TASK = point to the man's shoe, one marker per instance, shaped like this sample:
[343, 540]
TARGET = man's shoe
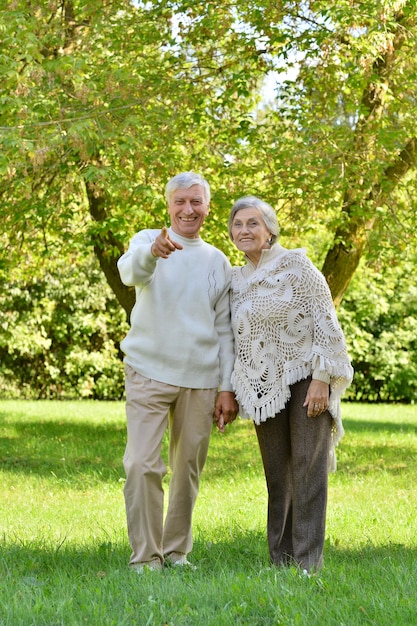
[179, 560]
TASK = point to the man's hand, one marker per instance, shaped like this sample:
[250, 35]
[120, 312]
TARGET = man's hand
[163, 245]
[225, 410]
[317, 398]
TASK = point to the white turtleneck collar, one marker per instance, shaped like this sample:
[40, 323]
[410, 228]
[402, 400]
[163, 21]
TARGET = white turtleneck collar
[267, 255]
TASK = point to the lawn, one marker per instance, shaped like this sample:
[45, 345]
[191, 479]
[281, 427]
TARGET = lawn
[64, 548]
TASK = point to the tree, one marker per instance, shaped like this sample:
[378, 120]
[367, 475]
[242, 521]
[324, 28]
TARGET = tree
[101, 106]
[341, 135]
[103, 102]
[383, 158]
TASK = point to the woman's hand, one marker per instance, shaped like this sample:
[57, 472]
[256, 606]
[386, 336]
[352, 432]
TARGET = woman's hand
[317, 398]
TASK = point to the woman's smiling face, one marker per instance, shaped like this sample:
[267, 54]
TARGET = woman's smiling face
[250, 234]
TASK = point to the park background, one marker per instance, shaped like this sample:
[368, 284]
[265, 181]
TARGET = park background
[310, 106]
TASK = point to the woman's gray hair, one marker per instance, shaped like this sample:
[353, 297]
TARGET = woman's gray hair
[184, 181]
[267, 212]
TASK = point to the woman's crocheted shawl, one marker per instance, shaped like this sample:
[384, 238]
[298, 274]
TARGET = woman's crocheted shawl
[285, 327]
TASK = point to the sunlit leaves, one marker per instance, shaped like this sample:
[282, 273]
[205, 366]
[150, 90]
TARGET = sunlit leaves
[120, 96]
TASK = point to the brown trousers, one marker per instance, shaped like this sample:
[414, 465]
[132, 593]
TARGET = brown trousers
[151, 407]
[294, 451]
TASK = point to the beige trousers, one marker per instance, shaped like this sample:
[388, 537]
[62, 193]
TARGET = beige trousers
[151, 407]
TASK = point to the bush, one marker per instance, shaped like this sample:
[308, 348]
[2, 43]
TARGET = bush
[60, 336]
[379, 317]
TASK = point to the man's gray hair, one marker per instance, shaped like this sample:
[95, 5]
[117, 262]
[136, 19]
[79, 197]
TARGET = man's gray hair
[184, 181]
[267, 212]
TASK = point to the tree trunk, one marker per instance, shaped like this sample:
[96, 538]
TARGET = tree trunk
[343, 258]
[108, 249]
[359, 203]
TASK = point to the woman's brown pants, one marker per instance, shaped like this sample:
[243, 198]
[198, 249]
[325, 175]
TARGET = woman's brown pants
[294, 451]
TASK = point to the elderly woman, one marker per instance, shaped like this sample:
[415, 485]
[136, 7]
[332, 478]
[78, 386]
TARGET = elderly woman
[291, 368]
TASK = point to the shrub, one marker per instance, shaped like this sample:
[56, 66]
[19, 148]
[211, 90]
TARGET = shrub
[60, 335]
[379, 317]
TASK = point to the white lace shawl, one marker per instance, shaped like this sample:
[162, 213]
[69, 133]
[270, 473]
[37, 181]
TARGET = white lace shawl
[285, 328]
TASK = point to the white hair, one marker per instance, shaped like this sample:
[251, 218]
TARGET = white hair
[184, 181]
[267, 212]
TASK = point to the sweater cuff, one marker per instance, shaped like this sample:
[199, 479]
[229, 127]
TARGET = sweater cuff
[154, 256]
[225, 386]
[321, 375]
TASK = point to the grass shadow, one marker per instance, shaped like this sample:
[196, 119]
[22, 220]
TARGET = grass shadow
[72, 450]
[63, 449]
[69, 450]
[392, 428]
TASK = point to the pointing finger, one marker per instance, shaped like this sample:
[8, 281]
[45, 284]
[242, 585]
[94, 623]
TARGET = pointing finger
[173, 244]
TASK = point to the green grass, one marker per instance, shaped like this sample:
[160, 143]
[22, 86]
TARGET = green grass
[64, 549]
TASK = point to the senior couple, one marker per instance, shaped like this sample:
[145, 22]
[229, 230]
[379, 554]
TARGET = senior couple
[208, 342]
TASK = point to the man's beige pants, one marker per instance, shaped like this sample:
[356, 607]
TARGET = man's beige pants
[151, 407]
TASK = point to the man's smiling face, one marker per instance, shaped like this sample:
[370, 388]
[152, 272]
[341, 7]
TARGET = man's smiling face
[188, 209]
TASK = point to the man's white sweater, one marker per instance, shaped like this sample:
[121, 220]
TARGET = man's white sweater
[180, 325]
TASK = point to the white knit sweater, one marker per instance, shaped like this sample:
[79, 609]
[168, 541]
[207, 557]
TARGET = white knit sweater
[180, 325]
[285, 329]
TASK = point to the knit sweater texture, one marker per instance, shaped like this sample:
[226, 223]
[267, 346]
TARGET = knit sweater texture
[180, 325]
[285, 329]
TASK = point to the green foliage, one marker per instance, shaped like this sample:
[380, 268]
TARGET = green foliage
[109, 100]
[379, 317]
[60, 335]
[121, 96]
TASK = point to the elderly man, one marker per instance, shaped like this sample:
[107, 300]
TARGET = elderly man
[178, 364]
